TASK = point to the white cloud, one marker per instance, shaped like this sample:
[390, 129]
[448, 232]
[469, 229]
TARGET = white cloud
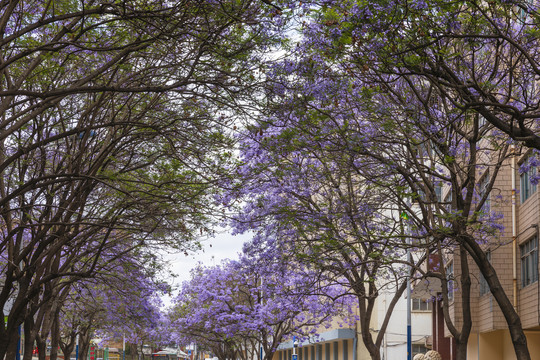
[222, 246]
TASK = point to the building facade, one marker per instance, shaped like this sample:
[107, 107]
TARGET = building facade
[514, 254]
[346, 343]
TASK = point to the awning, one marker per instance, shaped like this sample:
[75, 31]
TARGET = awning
[426, 288]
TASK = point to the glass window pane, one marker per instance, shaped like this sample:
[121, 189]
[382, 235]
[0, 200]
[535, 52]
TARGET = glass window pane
[529, 262]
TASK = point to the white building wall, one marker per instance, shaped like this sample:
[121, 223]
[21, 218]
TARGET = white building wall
[395, 344]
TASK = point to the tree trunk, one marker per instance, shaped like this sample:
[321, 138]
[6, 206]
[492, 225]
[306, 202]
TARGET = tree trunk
[3, 344]
[141, 350]
[9, 338]
[365, 308]
[84, 343]
[42, 348]
[461, 335]
[55, 337]
[30, 337]
[373, 350]
[67, 349]
[54, 352]
[11, 351]
[519, 340]
[461, 350]
[465, 280]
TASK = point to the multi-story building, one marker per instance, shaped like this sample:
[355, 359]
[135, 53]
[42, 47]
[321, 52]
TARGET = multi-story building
[339, 343]
[514, 254]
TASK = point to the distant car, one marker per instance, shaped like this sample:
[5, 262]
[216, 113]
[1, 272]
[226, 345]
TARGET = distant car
[168, 354]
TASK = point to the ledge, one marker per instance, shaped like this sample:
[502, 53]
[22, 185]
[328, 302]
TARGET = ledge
[332, 335]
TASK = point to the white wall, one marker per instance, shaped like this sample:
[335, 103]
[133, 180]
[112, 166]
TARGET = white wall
[395, 344]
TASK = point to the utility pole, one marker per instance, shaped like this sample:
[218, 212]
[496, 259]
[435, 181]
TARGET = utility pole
[403, 216]
[18, 355]
[409, 301]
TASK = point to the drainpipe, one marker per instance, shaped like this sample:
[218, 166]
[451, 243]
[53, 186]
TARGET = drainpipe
[385, 340]
[355, 344]
[514, 228]
[409, 333]
[478, 345]
[538, 286]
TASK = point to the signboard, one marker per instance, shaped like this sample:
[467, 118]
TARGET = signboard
[92, 353]
[295, 357]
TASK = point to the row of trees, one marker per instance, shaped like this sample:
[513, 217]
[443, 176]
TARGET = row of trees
[115, 119]
[380, 109]
[124, 304]
[244, 309]
[115, 138]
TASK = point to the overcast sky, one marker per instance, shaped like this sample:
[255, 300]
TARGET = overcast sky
[223, 246]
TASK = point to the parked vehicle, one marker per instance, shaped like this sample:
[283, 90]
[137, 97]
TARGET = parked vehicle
[165, 355]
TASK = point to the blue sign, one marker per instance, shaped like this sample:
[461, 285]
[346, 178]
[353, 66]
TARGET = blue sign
[189, 352]
[295, 357]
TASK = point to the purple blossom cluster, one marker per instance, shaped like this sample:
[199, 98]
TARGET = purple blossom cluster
[262, 296]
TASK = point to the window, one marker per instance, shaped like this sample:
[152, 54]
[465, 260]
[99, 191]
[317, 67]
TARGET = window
[421, 305]
[327, 351]
[529, 262]
[450, 281]
[448, 201]
[419, 195]
[525, 11]
[481, 121]
[438, 191]
[419, 349]
[425, 150]
[483, 186]
[527, 188]
[484, 287]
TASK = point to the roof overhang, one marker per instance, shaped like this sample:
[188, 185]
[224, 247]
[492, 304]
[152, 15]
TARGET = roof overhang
[426, 288]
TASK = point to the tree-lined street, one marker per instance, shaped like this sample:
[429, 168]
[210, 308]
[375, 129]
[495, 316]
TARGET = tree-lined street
[354, 140]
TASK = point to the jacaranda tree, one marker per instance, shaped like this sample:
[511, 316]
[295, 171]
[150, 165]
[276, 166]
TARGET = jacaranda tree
[447, 66]
[114, 127]
[359, 87]
[121, 303]
[313, 189]
[255, 303]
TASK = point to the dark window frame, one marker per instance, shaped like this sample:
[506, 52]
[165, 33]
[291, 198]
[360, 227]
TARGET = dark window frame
[421, 305]
[450, 280]
[484, 287]
[526, 187]
[529, 261]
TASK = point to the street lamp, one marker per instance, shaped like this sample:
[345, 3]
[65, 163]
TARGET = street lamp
[295, 345]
